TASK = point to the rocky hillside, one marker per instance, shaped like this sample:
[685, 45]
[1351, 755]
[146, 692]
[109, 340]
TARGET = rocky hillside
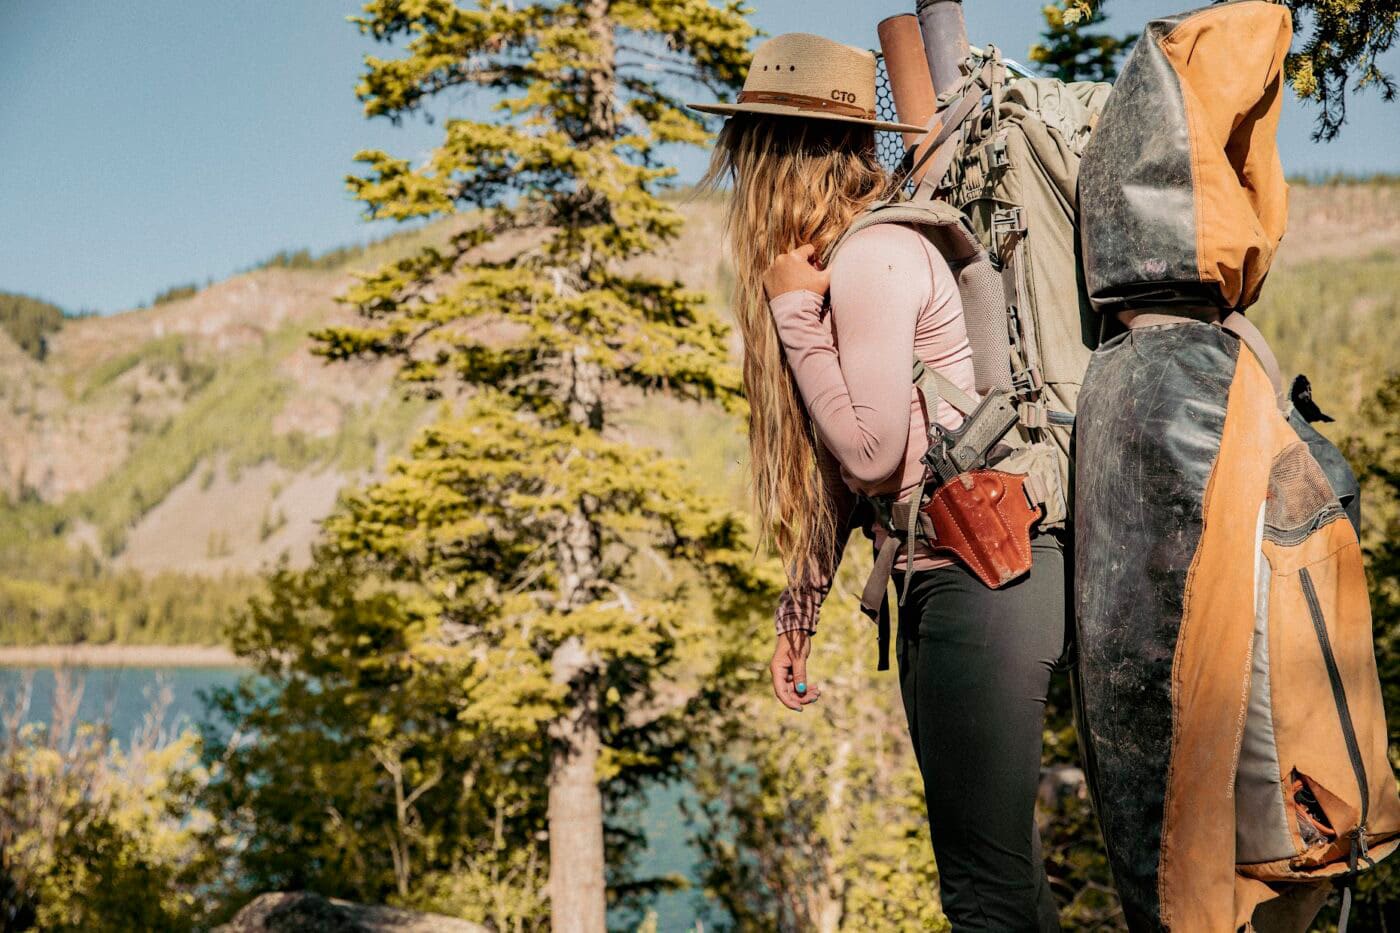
[198, 437]
[201, 438]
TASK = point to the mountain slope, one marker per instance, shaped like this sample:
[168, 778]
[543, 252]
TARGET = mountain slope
[200, 440]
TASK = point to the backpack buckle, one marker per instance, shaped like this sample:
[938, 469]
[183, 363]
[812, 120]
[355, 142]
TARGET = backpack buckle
[1033, 414]
[883, 507]
[1008, 221]
[1008, 229]
[999, 157]
[1027, 381]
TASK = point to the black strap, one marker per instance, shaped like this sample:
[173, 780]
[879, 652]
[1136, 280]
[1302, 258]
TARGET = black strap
[1357, 851]
[882, 635]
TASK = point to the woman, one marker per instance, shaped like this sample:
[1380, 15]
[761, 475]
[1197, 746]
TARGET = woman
[834, 415]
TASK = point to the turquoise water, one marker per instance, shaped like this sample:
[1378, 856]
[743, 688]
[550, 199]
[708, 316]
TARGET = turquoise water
[124, 696]
[121, 695]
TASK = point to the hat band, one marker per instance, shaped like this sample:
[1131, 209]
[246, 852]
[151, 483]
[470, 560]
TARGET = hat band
[805, 102]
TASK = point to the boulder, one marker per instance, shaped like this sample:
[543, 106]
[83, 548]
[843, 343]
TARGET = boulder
[305, 912]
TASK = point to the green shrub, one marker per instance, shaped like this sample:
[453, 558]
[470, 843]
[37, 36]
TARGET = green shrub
[93, 837]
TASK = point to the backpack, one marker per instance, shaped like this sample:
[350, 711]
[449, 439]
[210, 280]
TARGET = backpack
[1231, 714]
[1230, 703]
[1014, 171]
[1005, 163]
[1009, 149]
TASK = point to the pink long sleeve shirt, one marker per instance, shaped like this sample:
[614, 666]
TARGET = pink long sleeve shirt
[892, 296]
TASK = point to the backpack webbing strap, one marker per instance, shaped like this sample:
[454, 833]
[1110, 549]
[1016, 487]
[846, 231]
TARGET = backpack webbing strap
[875, 598]
[935, 386]
[901, 517]
[1233, 323]
[896, 516]
[942, 160]
[949, 121]
[1026, 378]
[1243, 328]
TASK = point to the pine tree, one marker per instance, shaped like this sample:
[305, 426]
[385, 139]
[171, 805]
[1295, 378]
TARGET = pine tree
[1071, 53]
[525, 518]
[1344, 44]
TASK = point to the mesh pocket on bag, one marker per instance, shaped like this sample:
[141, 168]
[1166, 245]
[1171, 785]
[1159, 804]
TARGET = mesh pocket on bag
[1300, 498]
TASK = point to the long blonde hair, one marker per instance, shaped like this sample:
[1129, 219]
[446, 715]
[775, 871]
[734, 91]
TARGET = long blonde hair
[795, 181]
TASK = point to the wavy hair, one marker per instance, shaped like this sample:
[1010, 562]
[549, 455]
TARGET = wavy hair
[794, 181]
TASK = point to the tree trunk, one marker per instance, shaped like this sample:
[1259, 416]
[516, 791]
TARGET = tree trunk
[577, 893]
[831, 901]
[577, 878]
[577, 889]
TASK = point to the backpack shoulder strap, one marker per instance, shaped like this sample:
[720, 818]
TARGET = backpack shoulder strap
[934, 386]
[978, 283]
[1243, 328]
[945, 226]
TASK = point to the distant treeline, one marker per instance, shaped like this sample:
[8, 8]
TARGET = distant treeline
[177, 293]
[305, 259]
[1323, 179]
[282, 259]
[29, 322]
[338, 257]
[302, 259]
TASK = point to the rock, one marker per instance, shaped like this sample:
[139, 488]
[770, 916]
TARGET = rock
[305, 912]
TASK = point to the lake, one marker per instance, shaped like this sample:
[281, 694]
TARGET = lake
[125, 694]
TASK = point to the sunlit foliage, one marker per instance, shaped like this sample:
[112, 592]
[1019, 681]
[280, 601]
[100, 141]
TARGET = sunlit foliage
[1340, 53]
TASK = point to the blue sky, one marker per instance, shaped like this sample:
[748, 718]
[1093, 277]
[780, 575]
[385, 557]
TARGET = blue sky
[150, 143]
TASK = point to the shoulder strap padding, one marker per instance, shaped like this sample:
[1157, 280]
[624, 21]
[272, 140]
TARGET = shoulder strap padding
[945, 226]
[979, 284]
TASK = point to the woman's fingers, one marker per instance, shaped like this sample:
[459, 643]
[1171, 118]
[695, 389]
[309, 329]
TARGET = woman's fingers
[789, 671]
[783, 684]
[799, 679]
[796, 271]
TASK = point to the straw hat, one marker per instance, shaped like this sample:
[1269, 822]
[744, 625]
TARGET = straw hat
[801, 75]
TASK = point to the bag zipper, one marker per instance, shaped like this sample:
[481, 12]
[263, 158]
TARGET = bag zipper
[1339, 696]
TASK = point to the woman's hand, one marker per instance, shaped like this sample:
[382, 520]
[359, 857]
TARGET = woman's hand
[789, 670]
[796, 271]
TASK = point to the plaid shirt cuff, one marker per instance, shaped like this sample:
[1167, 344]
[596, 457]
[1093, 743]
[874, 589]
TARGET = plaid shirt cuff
[797, 611]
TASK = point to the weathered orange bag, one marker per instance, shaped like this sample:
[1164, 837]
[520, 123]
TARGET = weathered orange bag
[1182, 196]
[1232, 721]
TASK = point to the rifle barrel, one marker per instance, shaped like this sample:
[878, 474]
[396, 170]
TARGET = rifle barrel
[945, 40]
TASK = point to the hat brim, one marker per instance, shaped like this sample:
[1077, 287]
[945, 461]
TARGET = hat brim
[782, 110]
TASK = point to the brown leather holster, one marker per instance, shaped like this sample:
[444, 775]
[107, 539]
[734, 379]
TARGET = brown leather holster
[981, 518]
